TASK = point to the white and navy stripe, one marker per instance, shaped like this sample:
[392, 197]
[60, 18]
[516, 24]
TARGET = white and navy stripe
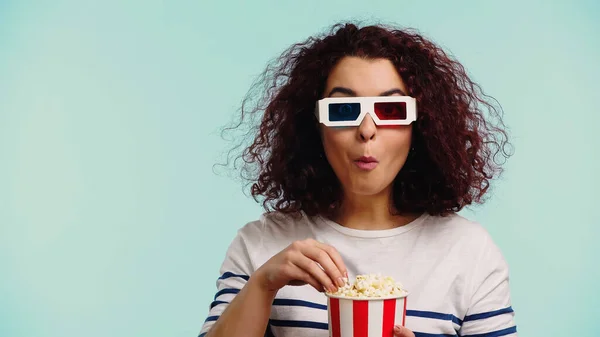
[496, 318]
[419, 320]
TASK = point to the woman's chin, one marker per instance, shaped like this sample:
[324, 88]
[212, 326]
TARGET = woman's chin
[368, 188]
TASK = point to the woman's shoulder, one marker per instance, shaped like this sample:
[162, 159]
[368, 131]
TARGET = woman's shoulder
[261, 238]
[458, 229]
[456, 223]
[279, 225]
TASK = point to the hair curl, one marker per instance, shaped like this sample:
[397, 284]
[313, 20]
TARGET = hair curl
[454, 146]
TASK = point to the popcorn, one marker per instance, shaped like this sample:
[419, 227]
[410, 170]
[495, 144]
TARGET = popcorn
[370, 286]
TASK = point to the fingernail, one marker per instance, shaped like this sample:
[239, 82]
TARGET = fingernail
[340, 282]
[397, 328]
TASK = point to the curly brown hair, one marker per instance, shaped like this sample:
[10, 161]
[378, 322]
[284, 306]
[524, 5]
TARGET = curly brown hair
[454, 146]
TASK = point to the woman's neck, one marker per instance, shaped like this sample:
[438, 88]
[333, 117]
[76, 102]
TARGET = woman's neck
[370, 212]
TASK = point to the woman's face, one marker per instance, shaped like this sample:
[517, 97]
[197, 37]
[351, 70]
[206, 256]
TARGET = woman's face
[346, 148]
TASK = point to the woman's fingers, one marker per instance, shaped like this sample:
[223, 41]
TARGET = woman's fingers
[400, 331]
[298, 274]
[318, 263]
[326, 261]
[335, 256]
[311, 267]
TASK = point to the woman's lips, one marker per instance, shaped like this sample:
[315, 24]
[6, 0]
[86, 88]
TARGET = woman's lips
[366, 163]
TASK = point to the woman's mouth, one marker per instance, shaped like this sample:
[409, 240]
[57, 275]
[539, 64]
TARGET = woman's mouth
[366, 163]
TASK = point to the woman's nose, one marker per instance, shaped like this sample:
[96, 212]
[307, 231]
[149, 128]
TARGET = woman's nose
[367, 129]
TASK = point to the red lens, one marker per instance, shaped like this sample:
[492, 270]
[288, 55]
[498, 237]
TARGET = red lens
[391, 110]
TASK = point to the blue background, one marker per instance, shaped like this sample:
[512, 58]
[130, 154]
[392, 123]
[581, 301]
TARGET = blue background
[112, 222]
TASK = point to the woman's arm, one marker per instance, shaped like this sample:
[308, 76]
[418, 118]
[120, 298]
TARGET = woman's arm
[247, 314]
[490, 310]
[243, 302]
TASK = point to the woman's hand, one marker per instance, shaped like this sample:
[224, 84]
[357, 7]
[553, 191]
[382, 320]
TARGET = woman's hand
[400, 331]
[303, 262]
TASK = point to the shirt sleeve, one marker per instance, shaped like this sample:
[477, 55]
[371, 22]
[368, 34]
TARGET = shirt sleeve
[234, 272]
[490, 313]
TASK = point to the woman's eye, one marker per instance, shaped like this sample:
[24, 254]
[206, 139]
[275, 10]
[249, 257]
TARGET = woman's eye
[345, 109]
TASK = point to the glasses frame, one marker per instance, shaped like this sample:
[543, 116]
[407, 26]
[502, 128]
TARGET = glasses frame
[367, 106]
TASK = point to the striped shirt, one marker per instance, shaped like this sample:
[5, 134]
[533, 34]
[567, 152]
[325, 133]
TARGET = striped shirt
[457, 277]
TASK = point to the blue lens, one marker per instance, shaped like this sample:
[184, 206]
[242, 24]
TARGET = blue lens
[339, 112]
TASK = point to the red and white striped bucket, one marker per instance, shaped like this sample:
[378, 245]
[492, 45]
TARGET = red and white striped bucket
[351, 317]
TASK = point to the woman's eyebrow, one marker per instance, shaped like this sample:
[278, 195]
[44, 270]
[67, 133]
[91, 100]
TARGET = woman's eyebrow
[342, 90]
[350, 92]
[393, 91]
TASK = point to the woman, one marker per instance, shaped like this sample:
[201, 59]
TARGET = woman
[371, 140]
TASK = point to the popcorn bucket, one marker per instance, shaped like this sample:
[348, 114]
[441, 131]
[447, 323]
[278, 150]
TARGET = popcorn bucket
[365, 317]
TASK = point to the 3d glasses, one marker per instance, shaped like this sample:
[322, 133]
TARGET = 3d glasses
[350, 111]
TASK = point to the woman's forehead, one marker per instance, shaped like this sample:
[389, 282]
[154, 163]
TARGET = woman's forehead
[365, 77]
